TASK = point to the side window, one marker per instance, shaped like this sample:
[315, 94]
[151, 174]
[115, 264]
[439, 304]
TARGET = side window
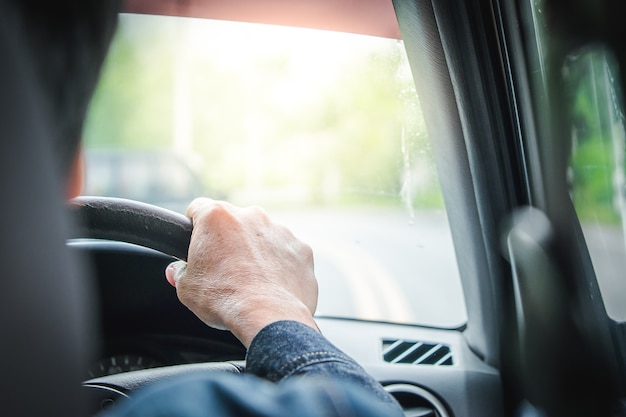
[597, 167]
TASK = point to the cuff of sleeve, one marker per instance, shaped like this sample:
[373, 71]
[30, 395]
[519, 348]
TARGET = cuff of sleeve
[283, 348]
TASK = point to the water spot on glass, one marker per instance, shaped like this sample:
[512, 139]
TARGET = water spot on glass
[406, 192]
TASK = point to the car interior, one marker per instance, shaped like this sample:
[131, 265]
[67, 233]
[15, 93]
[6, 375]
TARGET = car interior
[522, 107]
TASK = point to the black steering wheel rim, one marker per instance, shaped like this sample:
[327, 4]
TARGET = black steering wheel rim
[131, 221]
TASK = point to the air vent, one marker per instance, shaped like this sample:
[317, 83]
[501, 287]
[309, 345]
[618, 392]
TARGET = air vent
[417, 353]
[416, 401]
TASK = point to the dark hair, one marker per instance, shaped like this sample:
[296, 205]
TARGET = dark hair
[68, 41]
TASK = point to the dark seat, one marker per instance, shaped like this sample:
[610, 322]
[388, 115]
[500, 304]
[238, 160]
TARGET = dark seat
[45, 319]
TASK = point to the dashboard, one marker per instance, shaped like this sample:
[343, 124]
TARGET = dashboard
[146, 332]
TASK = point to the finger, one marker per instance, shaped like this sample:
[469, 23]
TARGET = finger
[196, 204]
[174, 272]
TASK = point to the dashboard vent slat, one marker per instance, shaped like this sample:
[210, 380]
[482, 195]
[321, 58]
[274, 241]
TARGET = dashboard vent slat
[416, 352]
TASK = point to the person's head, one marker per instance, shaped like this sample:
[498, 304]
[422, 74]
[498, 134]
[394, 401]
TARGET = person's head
[67, 41]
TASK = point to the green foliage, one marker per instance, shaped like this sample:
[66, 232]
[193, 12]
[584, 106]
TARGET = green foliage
[131, 109]
[593, 114]
[593, 191]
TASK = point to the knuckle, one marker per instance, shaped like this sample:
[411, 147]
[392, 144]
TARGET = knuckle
[307, 248]
[220, 208]
[258, 213]
[306, 251]
[257, 210]
[215, 212]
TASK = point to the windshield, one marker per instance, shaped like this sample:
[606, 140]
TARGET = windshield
[322, 129]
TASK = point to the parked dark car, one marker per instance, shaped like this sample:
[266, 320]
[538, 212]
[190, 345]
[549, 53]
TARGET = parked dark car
[158, 177]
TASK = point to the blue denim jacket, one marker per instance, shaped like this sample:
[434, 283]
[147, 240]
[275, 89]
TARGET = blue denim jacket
[291, 370]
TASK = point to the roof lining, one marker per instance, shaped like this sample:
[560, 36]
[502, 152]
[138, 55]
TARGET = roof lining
[367, 17]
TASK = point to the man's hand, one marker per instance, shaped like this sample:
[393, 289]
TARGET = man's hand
[243, 271]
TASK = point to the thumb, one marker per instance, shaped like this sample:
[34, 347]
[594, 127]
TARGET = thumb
[175, 271]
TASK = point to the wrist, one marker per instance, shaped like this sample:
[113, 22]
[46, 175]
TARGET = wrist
[258, 315]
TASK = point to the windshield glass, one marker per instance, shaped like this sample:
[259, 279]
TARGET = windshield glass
[322, 129]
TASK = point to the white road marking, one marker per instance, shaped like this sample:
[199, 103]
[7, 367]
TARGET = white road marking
[375, 292]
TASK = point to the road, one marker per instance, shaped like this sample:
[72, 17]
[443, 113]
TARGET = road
[608, 254]
[380, 264]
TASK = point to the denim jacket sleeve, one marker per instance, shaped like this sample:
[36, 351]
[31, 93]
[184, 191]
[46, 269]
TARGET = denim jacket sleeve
[286, 348]
[292, 370]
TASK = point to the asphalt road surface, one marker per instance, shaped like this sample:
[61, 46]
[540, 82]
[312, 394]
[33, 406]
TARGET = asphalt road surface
[608, 254]
[381, 264]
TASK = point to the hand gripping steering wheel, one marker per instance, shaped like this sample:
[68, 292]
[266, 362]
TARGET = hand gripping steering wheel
[152, 227]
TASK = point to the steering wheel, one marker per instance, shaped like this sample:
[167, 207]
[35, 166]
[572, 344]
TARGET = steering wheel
[132, 222]
[152, 227]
